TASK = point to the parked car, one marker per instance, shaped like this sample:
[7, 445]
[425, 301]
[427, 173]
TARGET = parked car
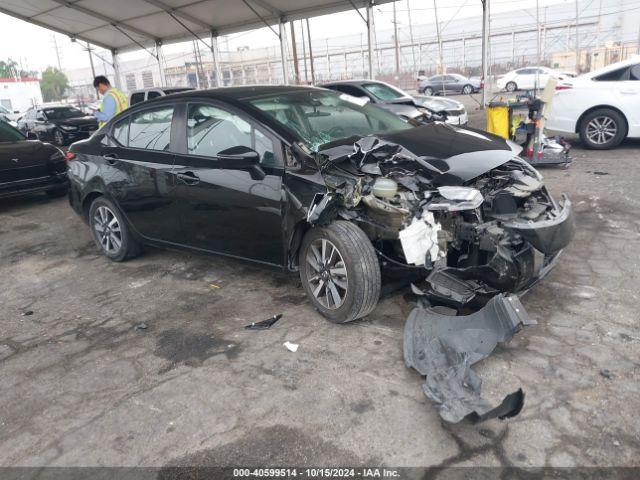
[525, 78]
[9, 116]
[60, 124]
[400, 102]
[145, 94]
[309, 181]
[603, 106]
[450, 83]
[28, 165]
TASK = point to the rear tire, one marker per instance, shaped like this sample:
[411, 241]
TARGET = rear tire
[58, 137]
[343, 285]
[110, 232]
[428, 91]
[511, 87]
[602, 129]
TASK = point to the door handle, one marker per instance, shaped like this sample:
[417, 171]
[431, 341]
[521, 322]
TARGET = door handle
[111, 158]
[189, 178]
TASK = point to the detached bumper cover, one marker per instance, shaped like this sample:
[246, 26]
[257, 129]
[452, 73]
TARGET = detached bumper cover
[443, 348]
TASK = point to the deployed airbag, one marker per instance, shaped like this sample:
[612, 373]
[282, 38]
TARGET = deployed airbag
[444, 347]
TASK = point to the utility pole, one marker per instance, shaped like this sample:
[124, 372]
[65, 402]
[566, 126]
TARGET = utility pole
[537, 78]
[440, 59]
[313, 76]
[294, 50]
[413, 52]
[395, 39]
[195, 60]
[55, 46]
[577, 39]
[485, 49]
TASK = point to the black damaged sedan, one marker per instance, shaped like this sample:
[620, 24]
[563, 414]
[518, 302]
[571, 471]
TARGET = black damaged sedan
[311, 181]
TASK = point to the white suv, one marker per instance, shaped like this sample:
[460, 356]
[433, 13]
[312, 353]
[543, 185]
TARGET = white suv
[602, 106]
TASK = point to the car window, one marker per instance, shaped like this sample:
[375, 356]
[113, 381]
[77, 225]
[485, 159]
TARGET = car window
[382, 91]
[3, 109]
[151, 129]
[121, 131]
[614, 76]
[153, 94]
[211, 130]
[437, 78]
[62, 113]
[634, 72]
[349, 90]
[9, 134]
[137, 98]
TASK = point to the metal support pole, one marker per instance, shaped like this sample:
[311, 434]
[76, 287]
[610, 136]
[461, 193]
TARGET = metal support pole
[464, 55]
[485, 50]
[116, 69]
[215, 54]
[578, 38]
[513, 49]
[395, 41]
[370, 40]
[283, 51]
[441, 68]
[313, 75]
[536, 84]
[160, 59]
[294, 51]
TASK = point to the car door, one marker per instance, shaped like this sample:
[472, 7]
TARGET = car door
[136, 167]
[229, 205]
[628, 93]
[453, 84]
[19, 161]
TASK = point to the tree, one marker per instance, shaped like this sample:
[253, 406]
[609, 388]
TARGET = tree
[8, 68]
[54, 83]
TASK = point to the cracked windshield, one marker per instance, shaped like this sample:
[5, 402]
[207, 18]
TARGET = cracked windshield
[322, 117]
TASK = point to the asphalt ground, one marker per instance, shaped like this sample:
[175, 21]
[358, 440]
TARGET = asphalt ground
[147, 363]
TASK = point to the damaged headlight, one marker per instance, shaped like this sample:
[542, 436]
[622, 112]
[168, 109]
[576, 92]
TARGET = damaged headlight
[454, 199]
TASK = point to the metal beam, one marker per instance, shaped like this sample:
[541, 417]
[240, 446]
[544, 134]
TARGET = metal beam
[215, 53]
[116, 69]
[104, 18]
[283, 52]
[160, 59]
[370, 39]
[179, 13]
[485, 50]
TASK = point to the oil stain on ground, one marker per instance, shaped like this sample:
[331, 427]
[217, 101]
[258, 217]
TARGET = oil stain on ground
[185, 348]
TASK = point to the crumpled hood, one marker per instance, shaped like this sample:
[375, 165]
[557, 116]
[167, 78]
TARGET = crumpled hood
[449, 155]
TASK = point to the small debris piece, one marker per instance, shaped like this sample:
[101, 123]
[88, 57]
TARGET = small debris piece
[292, 347]
[606, 373]
[141, 326]
[214, 286]
[264, 324]
[27, 313]
[601, 173]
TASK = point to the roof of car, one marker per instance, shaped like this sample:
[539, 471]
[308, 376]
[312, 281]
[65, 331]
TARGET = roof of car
[350, 82]
[244, 92]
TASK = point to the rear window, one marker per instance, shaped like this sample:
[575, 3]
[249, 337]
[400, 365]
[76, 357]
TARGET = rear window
[151, 130]
[614, 76]
[9, 134]
[137, 98]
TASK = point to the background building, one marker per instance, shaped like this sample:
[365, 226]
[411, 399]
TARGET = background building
[20, 94]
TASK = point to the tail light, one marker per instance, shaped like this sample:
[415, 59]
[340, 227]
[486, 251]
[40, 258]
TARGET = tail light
[563, 87]
[69, 156]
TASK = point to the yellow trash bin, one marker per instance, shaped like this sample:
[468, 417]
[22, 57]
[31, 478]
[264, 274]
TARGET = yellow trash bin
[498, 119]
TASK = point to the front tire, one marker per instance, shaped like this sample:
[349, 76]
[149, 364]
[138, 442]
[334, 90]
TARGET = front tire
[511, 87]
[340, 272]
[467, 90]
[602, 129]
[58, 137]
[428, 91]
[110, 232]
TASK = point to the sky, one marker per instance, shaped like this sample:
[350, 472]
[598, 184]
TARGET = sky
[35, 49]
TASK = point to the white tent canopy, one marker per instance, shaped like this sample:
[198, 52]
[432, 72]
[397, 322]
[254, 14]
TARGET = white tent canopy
[126, 25]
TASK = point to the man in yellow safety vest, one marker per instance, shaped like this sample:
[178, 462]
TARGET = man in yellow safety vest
[113, 100]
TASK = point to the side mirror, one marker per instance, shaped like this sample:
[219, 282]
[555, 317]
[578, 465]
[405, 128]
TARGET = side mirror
[241, 156]
[16, 111]
[32, 136]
